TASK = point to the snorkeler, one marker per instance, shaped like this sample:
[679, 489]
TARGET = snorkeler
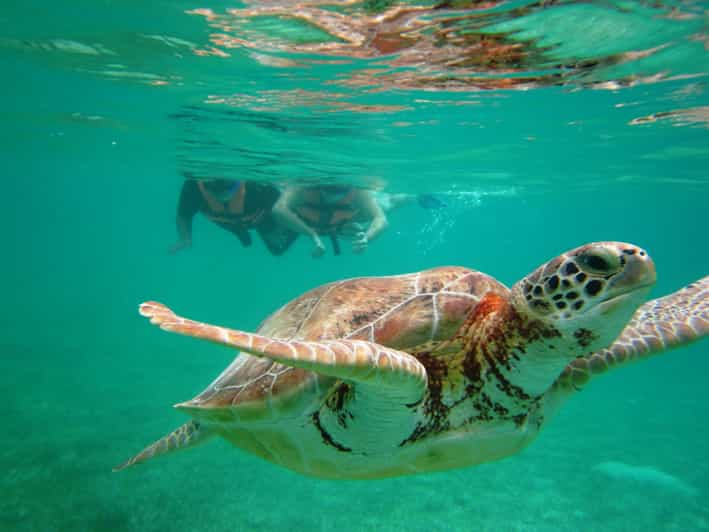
[331, 210]
[236, 206]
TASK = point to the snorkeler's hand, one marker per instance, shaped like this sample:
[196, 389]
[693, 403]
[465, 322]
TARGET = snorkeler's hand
[179, 246]
[359, 242]
[352, 229]
[319, 249]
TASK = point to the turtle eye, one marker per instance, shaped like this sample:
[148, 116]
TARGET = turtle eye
[599, 262]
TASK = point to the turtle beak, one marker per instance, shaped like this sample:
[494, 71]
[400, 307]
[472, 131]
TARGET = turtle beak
[636, 279]
[638, 274]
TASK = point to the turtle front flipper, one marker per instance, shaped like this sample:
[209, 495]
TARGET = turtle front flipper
[367, 363]
[657, 326]
[188, 435]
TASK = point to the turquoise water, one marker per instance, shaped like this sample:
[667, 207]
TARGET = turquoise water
[94, 137]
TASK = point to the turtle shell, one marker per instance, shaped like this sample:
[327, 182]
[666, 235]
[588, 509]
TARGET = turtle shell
[402, 312]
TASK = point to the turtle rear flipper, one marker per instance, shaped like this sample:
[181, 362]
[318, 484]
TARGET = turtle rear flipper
[395, 374]
[188, 435]
[657, 326]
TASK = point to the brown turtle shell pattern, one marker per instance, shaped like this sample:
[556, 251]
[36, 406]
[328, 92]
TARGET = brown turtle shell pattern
[402, 311]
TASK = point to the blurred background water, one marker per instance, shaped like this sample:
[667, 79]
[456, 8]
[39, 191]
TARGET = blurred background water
[541, 126]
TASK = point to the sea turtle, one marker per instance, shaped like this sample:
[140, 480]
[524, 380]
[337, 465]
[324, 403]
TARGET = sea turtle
[383, 376]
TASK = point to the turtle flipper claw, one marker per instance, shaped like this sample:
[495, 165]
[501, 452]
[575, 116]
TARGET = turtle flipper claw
[157, 312]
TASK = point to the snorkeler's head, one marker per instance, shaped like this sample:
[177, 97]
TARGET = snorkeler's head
[222, 188]
[332, 193]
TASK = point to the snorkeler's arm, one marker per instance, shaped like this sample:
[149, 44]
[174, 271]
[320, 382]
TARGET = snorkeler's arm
[285, 215]
[368, 205]
[371, 208]
[188, 205]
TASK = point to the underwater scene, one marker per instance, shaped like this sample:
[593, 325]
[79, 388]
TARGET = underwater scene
[226, 158]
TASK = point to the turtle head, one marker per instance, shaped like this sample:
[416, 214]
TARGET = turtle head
[586, 296]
